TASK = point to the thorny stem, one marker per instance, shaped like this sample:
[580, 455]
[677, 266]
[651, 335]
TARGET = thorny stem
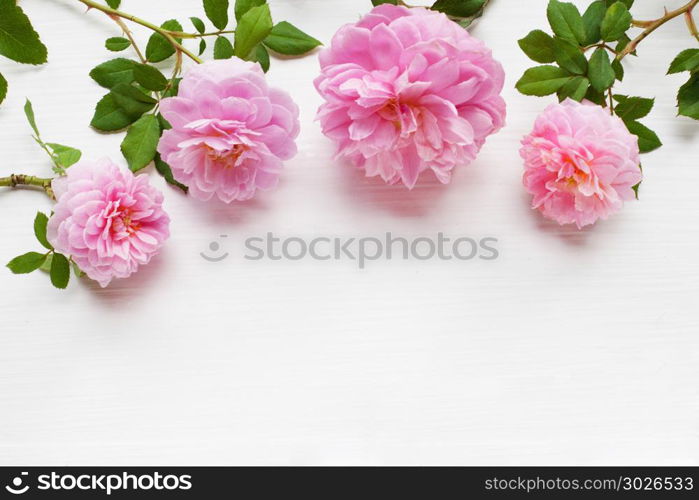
[16, 180]
[168, 35]
[171, 82]
[651, 26]
[691, 25]
[129, 35]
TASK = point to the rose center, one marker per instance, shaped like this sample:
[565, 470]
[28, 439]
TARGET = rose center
[228, 158]
[122, 220]
[393, 111]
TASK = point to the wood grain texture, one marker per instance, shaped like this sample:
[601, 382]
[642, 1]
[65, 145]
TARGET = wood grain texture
[572, 348]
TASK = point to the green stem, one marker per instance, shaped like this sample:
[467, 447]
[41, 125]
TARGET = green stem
[16, 180]
[651, 26]
[168, 35]
[610, 95]
[601, 45]
[43, 146]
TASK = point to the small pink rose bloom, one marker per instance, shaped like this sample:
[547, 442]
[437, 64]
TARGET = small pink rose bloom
[408, 90]
[230, 131]
[581, 163]
[108, 220]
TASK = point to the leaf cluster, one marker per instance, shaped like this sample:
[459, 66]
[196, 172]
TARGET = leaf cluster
[579, 61]
[137, 86]
[55, 264]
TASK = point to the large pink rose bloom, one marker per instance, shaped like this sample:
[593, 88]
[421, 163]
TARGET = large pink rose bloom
[230, 130]
[581, 163]
[108, 220]
[408, 90]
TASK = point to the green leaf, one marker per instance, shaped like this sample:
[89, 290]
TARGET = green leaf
[687, 60]
[632, 108]
[592, 20]
[601, 73]
[688, 98]
[174, 88]
[262, 57]
[647, 139]
[165, 170]
[618, 69]
[575, 89]
[3, 88]
[18, 40]
[287, 39]
[198, 24]
[114, 4]
[111, 73]
[636, 188]
[616, 22]
[40, 223]
[131, 100]
[459, 8]
[46, 266]
[141, 141]
[117, 44]
[29, 113]
[109, 116]
[202, 46]
[217, 12]
[76, 270]
[65, 156]
[159, 48]
[223, 49]
[60, 271]
[595, 96]
[566, 21]
[164, 124]
[242, 6]
[27, 263]
[149, 77]
[543, 80]
[380, 2]
[569, 56]
[538, 46]
[252, 28]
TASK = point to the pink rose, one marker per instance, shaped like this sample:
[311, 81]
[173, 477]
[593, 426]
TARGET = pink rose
[230, 131]
[408, 90]
[108, 220]
[581, 163]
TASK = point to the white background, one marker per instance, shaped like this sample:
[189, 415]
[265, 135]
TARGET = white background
[575, 347]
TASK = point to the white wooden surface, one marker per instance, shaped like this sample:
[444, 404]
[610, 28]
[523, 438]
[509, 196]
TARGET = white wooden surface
[572, 348]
